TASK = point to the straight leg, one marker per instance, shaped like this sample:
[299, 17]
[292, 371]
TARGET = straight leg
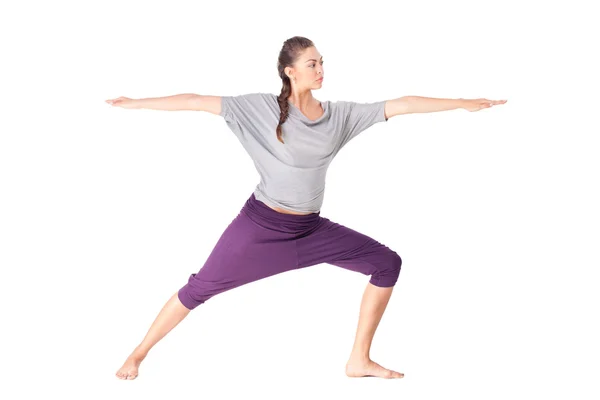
[172, 313]
[245, 252]
[374, 302]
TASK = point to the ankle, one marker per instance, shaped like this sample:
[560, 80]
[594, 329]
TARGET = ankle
[139, 353]
[359, 356]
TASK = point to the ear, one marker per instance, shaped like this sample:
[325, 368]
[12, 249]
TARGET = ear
[288, 72]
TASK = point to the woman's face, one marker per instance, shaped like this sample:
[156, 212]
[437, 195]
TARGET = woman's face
[308, 70]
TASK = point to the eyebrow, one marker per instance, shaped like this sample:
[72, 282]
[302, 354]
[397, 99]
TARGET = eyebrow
[312, 59]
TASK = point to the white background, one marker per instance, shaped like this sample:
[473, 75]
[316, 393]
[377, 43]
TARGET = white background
[105, 212]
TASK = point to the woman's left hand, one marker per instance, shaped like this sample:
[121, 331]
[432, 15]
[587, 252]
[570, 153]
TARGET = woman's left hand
[478, 104]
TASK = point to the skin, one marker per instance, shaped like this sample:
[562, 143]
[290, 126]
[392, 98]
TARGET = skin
[304, 75]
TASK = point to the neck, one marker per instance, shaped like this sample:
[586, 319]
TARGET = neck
[303, 100]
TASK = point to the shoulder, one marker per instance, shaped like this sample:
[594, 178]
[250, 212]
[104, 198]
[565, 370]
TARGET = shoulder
[250, 97]
[254, 100]
[247, 104]
[341, 105]
[349, 107]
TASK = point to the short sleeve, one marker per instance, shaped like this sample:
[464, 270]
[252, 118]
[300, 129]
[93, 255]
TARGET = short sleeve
[359, 116]
[247, 114]
[244, 106]
[234, 108]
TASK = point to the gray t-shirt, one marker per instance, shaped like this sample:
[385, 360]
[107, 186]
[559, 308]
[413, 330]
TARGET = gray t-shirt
[292, 174]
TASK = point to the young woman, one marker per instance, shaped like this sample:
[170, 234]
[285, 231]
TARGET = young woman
[292, 139]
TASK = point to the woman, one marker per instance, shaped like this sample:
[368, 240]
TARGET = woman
[292, 139]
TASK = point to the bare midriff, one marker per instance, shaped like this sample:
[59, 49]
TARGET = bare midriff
[281, 210]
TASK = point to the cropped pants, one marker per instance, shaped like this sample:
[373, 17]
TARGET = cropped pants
[262, 242]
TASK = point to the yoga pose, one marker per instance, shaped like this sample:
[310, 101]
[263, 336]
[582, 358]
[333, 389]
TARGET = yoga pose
[292, 138]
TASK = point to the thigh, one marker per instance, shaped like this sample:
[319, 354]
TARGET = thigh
[245, 252]
[248, 251]
[339, 245]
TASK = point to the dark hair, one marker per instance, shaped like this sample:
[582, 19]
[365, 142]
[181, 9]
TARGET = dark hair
[290, 52]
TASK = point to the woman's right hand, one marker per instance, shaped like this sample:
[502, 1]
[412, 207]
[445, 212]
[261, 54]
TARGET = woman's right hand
[124, 102]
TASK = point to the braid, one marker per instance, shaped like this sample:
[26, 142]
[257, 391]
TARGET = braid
[291, 50]
[282, 99]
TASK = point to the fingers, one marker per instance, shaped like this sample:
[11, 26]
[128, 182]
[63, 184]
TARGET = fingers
[115, 101]
[488, 103]
[480, 104]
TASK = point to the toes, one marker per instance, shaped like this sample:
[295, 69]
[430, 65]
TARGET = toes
[125, 375]
[396, 374]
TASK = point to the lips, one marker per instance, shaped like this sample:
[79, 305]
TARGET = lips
[320, 79]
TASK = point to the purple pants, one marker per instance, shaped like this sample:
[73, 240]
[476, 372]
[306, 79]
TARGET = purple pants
[262, 242]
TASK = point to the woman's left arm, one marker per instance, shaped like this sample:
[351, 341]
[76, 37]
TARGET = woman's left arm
[417, 104]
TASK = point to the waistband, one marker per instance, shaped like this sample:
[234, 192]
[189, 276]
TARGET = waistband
[266, 216]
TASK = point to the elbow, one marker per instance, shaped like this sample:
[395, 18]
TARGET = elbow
[193, 101]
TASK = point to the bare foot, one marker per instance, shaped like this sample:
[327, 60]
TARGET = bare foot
[129, 370]
[360, 368]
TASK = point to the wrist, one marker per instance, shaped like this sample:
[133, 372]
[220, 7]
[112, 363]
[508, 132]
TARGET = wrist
[137, 103]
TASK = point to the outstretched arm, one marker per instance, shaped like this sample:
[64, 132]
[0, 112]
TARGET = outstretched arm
[417, 104]
[177, 102]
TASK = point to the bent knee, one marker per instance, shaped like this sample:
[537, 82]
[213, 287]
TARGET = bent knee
[388, 276]
[395, 265]
[397, 260]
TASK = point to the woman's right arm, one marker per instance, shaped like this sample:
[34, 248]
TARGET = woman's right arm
[185, 101]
